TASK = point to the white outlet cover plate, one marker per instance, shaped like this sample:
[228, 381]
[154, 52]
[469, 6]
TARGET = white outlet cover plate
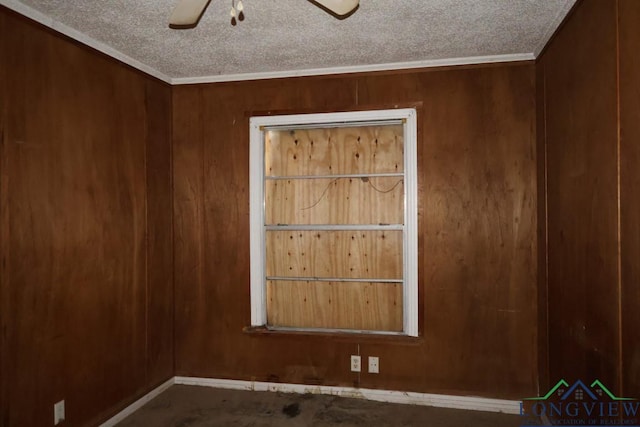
[356, 363]
[58, 412]
[374, 365]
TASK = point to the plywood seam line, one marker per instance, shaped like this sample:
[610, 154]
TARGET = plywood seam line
[202, 244]
[332, 279]
[335, 227]
[4, 238]
[357, 91]
[5, 235]
[173, 236]
[330, 176]
[546, 224]
[619, 205]
[145, 145]
[359, 372]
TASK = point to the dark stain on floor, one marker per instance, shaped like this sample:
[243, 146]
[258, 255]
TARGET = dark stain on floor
[192, 406]
[291, 410]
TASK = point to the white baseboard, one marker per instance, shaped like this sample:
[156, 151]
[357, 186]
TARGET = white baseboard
[137, 404]
[404, 397]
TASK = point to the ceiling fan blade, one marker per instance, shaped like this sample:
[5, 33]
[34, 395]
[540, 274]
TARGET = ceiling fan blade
[187, 13]
[339, 8]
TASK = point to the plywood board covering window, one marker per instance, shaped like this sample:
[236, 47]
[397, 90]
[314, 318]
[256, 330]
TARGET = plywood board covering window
[333, 218]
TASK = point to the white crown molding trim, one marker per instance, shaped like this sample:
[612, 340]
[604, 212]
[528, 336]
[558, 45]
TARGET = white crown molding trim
[138, 404]
[554, 25]
[47, 21]
[403, 397]
[431, 63]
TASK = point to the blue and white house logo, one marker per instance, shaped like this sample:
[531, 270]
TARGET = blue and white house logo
[578, 404]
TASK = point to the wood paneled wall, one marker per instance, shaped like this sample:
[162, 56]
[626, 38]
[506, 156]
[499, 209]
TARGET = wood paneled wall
[591, 111]
[4, 224]
[85, 220]
[86, 224]
[477, 233]
[581, 146]
[629, 39]
[542, 282]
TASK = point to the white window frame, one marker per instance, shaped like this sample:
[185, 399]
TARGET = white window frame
[258, 125]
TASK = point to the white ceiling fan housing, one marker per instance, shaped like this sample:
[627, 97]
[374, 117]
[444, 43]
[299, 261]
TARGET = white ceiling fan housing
[187, 13]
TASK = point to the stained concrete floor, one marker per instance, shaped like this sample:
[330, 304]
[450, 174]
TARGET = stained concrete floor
[191, 406]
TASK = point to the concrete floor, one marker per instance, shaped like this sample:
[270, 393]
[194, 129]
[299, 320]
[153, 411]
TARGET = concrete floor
[191, 406]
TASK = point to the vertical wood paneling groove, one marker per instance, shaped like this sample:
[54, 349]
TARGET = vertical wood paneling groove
[172, 208]
[542, 233]
[4, 231]
[618, 204]
[146, 237]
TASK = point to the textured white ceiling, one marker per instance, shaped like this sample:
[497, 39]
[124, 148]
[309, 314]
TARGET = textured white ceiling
[294, 37]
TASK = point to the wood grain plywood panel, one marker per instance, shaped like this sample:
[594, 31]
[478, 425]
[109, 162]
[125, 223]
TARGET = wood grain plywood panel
[77, 208]
[581, 144]
[330, 151]
[629, 39]
[226, 233]
[335, 254]
[213, 282]
[377, 200]
[477, 219]
[188, 214]
[159, 233]
[478, 182]
[477, 222]
[335, 305]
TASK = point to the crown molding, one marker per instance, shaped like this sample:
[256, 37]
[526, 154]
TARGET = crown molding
[59, 27]
[394, 66]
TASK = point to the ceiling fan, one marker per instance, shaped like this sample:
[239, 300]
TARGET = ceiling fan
[187, 13]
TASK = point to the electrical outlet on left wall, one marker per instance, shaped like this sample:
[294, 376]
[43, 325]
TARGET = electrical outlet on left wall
[58, 413]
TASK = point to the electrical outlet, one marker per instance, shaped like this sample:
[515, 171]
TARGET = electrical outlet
[58, 412]
[374, 365]
[356, 363]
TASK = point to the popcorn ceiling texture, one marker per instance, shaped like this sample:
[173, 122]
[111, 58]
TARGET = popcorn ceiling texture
[290, 35]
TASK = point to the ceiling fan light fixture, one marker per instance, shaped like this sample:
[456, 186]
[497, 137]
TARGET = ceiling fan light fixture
[187, 13]
[341, 9]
